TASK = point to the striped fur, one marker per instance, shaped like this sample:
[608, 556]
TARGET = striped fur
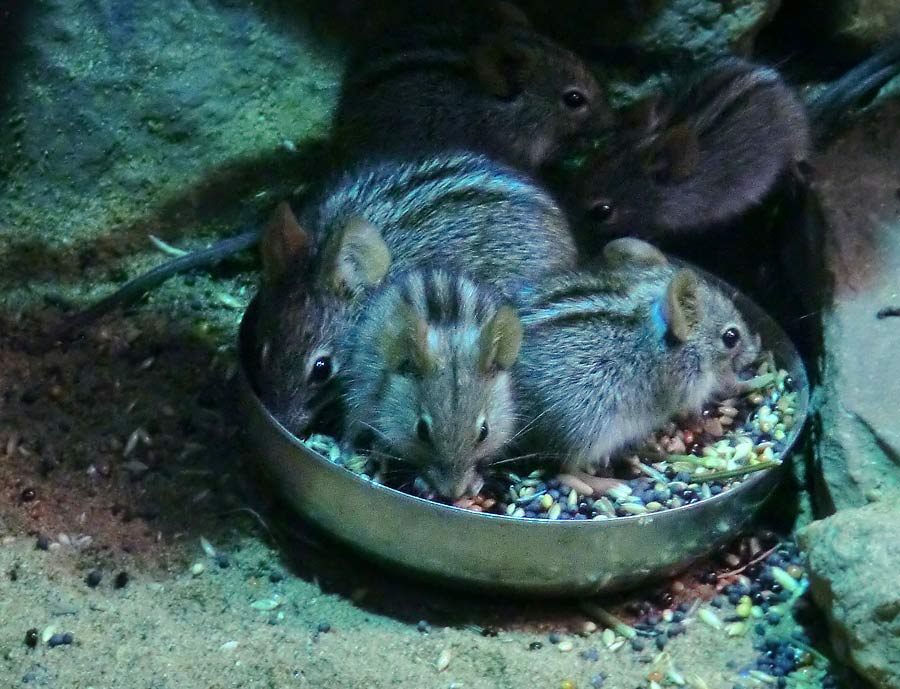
[710, 153]
[412, 95]
[599, 371]
[457, 209]
[438, 318]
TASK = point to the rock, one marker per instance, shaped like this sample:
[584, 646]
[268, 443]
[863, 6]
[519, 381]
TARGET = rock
[867, 21]
[701, 29]
[853, 560]
[117, 113]
[857, 449]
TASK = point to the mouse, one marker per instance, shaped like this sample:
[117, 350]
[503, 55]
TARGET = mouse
[305, 303]
[610, 354]
[427, 376]
[483, 80]
[717, 146]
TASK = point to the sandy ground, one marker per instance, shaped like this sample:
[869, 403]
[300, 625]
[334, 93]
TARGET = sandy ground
[119, 452]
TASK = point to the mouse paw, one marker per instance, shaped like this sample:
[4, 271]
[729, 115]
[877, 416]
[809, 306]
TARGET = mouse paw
[588, 484]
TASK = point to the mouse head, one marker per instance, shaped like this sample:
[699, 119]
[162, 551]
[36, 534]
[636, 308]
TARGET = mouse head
[448, 405]
[306, 302]
[621, 186]
[709, 343]
[545, 96]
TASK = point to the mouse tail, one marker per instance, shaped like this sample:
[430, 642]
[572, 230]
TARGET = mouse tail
[132, 290]
[829, 109]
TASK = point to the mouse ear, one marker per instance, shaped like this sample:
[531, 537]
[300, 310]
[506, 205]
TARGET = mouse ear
[503, 66]
[642, 117]
[355, 258]
[284, 244]
[681, 307]
[631, 251]
[500, 340]
[404, 342]
[676, 154]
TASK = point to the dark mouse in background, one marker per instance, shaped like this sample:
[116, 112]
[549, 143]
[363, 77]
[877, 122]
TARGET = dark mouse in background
[713, 150]
[483, 80]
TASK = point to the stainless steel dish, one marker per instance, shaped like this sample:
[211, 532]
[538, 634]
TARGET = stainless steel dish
[505, 553]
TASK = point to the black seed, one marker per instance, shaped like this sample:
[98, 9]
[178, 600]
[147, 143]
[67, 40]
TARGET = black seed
[555, 637]
[637, 644]
[535, 646]
[43, 542]
[489, 631]
[68, 638]
[121, 580]
[423, 626]
[222, 560]
[93, 578]
[28, 495]
[661, 641]
[324, 627]
[31, 637]
[55, 640]
[275, 576]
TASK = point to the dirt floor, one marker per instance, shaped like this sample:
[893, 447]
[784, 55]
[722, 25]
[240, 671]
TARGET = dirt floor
[119, 454]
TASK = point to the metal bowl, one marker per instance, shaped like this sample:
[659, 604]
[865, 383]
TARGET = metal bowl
[485, 551]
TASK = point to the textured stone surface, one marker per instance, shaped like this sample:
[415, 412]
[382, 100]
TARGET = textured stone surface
[854, 567]
[704, 28]
[858, 426]
[118, 109]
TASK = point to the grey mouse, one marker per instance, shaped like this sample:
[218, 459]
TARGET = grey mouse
[609, 356]
[427, 374]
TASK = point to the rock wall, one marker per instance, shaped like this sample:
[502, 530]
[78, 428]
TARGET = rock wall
[858, 427]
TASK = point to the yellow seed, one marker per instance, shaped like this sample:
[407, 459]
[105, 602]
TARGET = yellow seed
[554, 512]
[565, 646]
[710, 618]
[745, 605]
[546, 501]
[567, 684]
[736, 629]
[443, 661]
[608, 637]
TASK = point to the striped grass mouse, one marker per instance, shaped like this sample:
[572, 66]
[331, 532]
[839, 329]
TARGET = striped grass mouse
[427, 375]
[485, 81]
[609, 356]
[714, 149]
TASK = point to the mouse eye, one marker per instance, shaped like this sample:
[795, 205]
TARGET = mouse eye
[483, 432]
[731, 337]
[574, 99]
[602, 211]
[264, 352]
[321, 370]
[423, 430]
